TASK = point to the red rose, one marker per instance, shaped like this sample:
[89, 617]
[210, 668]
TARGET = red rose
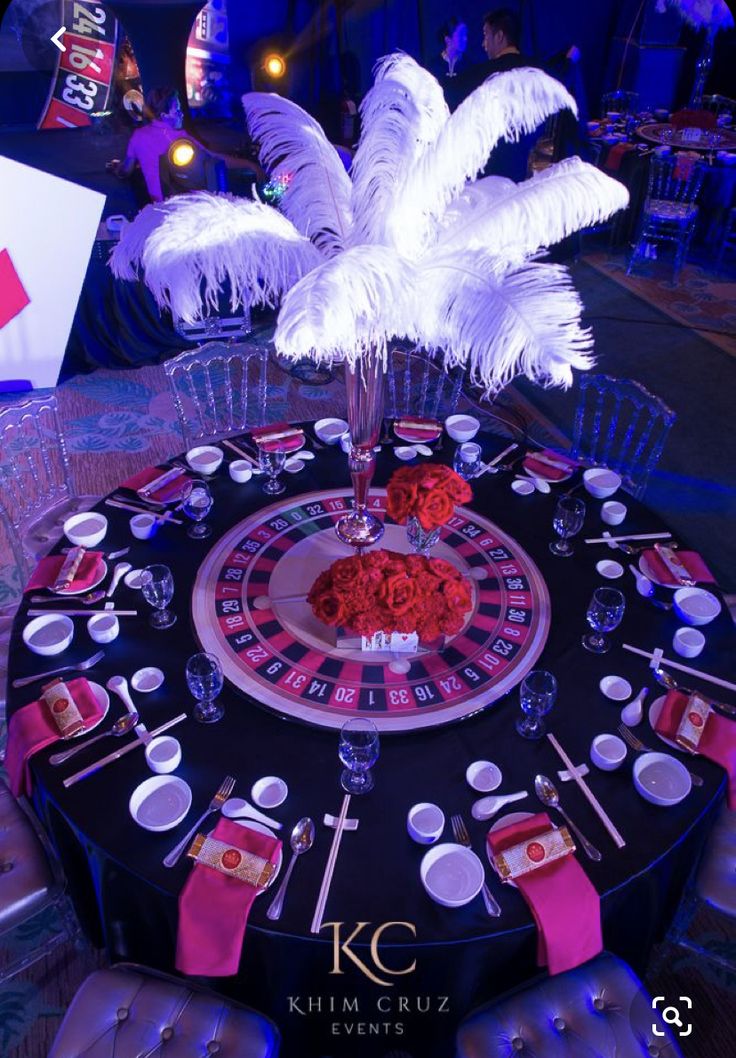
[376, 559]
[401, 498]
[329, 608]
[458, 489]
[414, 565]
[457, 594]
[433, 509]
[343, 573]
[397, 593]
[445, 570]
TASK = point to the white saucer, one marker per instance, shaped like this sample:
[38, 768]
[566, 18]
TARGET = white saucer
[160, 803]
[616, 688]
[269, 792]
[405, 452]
[329, 431]
[261, 828]
[88, 587]
[133, 579]
[483, 776]
[522, 486]
[609, 569]
[147, 679]
[293, 466]
[451, 874]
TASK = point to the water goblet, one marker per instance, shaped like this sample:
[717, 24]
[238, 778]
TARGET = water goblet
[157, 585]
[567, 521]
[272, 463]
[197, 504]
[204, 680]
[359, 748]
[537, 696]
[466, 461]
[605, 612]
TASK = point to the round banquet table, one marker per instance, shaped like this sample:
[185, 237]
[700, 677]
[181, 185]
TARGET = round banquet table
[128, 901]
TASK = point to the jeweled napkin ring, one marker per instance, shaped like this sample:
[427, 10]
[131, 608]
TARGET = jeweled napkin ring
[233, 861]
[533, 853]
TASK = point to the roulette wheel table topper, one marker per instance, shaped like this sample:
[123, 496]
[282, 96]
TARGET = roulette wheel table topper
[249, 607]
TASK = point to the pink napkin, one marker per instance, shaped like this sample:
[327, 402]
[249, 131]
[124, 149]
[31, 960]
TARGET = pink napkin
[562, 899]
[540, 469]
[47, 570]
[717, 743]
[404, 429]
[691, 560]
[214, 907]
[264, 439]
[169, 492]
[31, 728]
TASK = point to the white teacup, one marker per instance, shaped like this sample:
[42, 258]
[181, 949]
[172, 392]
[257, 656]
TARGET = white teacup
[425, 822]
[240, 471]
[143, 526]
[688, 642]
[607, 752]
[613, 512]
[103, 627]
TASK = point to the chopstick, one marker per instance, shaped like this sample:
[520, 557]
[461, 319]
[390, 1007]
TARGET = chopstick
[683, 668]
[592, 799]
[628, 536]
[330, 867]
[98, 764]
[165, 517]
[239, 451]
[87, 612]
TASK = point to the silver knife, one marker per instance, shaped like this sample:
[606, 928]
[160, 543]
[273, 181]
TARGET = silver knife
[674, 565]
[139, 741]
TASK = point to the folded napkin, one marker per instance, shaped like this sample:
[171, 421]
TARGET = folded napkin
[32, 727]
[214, 907]
[542, 469]
[615, 156]
[47, 570]
[171, 491]
[562, 899]
[717, 743]
[278, 437]
[691, 560]
[417, 428]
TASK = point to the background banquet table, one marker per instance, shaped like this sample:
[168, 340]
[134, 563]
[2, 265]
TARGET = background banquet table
[128, 900]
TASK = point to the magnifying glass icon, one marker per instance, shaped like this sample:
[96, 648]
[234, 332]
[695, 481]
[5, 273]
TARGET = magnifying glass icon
[668, 1020]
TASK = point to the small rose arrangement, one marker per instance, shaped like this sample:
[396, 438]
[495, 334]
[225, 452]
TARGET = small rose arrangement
[428, 493]
[389, 592]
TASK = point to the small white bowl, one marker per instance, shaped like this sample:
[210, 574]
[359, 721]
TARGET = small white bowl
[160, 803]
[688, 642]
[146, 680]
[696, 606]
[103, 627]
[609, 569]
[163, 754]
[86, 529]
[205, 459]
[601, 482]
[483, 776]
[616, 688]
[462, 427]
[49, 634]
[522, 486]
[451, 874]
[613, 512]
[240, 471]
[661, 779]
[143, 526]
[269, 792]
[329, 431]
[405, 452]
[607, 752]
[425, 823]
[133, 579]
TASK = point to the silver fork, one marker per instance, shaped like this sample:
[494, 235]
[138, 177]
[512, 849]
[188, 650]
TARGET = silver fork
[81, 666]
[460, 833]
[638, 746]
[224, 791]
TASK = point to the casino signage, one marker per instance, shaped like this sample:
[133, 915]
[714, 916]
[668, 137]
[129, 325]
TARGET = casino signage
[84, 71]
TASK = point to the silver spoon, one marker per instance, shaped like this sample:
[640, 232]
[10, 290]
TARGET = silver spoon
[122, 726]
[547, 794]
[485, 807]
[302, 839]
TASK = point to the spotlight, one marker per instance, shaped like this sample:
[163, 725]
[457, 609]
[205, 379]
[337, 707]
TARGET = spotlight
[181, 153]
[274, 65]
[185, 168]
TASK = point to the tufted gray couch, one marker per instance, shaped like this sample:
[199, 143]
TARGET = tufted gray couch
[128, 1012]
[598, 1010]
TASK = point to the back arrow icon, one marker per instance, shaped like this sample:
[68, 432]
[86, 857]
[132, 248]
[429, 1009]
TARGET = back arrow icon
[55, 39]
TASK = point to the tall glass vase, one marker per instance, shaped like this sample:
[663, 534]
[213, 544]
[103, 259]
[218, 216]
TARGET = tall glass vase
[365, 384]
[702, 68]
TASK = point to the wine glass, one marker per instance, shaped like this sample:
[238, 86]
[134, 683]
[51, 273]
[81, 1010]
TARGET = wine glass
[197, 504]
[605, 612]
[359, 748]
[204, 680]
[272, 463]
[567, 521]
[537, 696]
[466, 461]
[157, 585]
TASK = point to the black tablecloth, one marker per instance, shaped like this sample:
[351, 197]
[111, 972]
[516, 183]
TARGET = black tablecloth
[129, 900]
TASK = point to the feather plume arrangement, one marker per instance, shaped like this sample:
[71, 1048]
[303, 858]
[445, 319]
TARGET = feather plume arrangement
[409, 245]
[713, 14]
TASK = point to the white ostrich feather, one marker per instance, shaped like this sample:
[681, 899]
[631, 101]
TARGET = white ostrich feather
[350, 304]
[518, 220]
[502, 325]
[208, 239]
[317, 200]
[503, 107]
[126, 256]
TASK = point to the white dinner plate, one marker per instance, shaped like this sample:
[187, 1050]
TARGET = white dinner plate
[104, 700]
[88, 587]
[646, 569]
[654, 710]
[261, 828]
[160, 803]
[540, 472]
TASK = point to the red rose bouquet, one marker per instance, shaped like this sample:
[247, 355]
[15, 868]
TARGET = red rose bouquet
[388, 592]
[428, 493]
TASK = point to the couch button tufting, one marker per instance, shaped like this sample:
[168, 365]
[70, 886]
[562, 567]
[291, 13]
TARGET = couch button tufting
[517, 1043]
[598, 1003]
[559, 1024]
[213, 1047]
[167, 1033]
[5, 867]
[653, 1050]
[122, 1013]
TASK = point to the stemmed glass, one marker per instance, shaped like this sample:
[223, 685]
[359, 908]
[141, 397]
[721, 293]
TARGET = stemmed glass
[359, 748]
[538, 694]
[272, 463]
[567, 521]
[204, 680]
[157, 585]
[605, 612]
[197, 505]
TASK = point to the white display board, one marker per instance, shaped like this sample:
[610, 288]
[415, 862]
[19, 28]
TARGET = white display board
[47, 227]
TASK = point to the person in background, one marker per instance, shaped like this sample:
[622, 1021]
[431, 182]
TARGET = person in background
[453, 36]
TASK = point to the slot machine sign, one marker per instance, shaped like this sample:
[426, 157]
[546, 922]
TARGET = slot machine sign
[85, 69]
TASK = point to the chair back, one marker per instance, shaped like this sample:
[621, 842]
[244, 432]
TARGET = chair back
[621, 425]
[417, 385]
[693, 119]
[675, 177]
[619, 102]
[218, 390]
